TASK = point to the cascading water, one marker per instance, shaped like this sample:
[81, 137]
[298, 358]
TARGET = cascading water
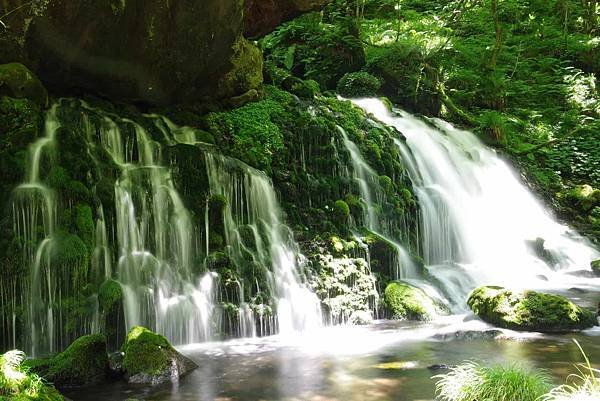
[371, 192]
[256, 235]
[145, 238]
[478, 220]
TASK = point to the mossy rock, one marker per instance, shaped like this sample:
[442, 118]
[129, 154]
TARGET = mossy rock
[151, 359]
[110, 295]
[358, 84]
[595, 265]
[529, 310]
[84, 362]
[18, 82]
[405, 302]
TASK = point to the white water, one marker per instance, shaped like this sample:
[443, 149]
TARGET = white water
[253, 207]
[478, 219]
[371, 192]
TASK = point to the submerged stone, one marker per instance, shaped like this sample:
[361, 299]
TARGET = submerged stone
[529, 310]
[405, 302]
[150, 359]
[84, 362]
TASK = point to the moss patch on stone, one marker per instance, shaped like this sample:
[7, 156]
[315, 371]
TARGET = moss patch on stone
[406, 302]
[18, 81]
[145, 352]
[529, 310]
[84, 362]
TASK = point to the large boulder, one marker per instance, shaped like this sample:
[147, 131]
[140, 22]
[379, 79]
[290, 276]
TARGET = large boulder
[405, 302]
[151, 51]
[84, 362]
[262, 16]
[150, 359]
[529, 310]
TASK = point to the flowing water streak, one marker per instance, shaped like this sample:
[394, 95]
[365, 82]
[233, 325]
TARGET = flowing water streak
[478, 219]
[254, 228]
[35, 206]
[371, 193]
[154, 234]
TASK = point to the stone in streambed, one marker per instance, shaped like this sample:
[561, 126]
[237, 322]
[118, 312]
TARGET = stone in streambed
[150, 359]
[529, 310]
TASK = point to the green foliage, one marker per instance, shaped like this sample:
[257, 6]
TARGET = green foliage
[529, 310]
[145, 352]
[407, 302]
[84, 362]
[470, 381]
[595, 265]
[313, 49]
[358, 84]
[251, 133]
[18, 383]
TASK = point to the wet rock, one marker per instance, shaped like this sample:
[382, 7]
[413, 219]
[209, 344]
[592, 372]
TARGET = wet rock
[441, 367]
[115, 364]
[469, 335]
[150, 359]
[529, 310]
[578, 290]
[361, 318]
[582, 273]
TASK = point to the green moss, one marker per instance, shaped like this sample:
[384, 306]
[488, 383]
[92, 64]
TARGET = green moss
[84, 362]
[250, 133]
[408, 302]
[84, 223]
[19, 383]
[110, 295]
[341, 211]
[246, 69]
[529, 310]
[595, 265]
[358, 84]
[145, 352]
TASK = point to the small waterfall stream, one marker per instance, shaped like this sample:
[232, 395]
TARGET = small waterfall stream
[478, 221]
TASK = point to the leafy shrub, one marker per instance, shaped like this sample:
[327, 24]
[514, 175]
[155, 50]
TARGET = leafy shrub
[358, 84]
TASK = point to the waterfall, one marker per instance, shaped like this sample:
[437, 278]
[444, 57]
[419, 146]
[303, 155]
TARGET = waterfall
[256, 235]
[371, 192]
[145, 238]
[478, 220]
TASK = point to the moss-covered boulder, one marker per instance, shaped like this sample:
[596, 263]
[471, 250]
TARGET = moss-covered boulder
[150, 359]
[405, 302]
[595, 265]
[18, 82]
[529, 310]
[18, 383]
[84, 362]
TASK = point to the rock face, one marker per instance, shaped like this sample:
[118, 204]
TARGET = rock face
[262, 16]
[529, 310]
[150, 359]
[406, 302]
[84, 362]
[151, 51]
